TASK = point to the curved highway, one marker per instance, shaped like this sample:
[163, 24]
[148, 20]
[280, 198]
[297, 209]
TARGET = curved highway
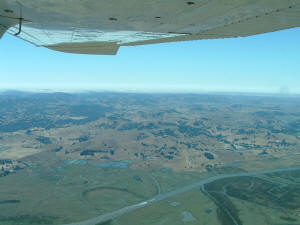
[109, 216]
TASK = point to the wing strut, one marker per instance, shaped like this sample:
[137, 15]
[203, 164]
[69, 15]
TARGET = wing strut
[20, 20]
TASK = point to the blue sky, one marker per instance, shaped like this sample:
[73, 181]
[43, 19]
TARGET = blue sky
[263, 63]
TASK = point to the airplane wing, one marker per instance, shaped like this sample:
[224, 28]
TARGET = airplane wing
[101, 26]
[6, 21]
[2, 30]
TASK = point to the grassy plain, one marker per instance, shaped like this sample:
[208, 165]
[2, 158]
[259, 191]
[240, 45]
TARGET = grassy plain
[170, 211]
[67, 158]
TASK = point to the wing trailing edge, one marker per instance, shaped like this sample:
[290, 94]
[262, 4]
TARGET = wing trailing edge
[92, 48]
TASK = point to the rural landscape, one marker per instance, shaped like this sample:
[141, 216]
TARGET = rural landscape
[171, 159]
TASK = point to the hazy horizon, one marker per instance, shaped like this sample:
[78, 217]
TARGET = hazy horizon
[185, 92]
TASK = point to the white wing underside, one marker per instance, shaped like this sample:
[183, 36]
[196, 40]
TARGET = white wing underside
[101, 27]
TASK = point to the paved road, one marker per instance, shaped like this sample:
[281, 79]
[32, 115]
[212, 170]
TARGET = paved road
[157, 198]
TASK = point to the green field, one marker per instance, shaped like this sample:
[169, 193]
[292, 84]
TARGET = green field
[52, 191]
